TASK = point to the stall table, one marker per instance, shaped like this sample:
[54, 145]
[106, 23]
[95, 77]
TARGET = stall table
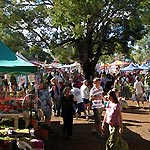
[14, 116]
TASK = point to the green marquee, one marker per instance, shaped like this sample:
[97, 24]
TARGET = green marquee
[10, 62]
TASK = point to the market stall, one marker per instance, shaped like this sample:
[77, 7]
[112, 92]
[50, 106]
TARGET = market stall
[10, 107]
[12, 63]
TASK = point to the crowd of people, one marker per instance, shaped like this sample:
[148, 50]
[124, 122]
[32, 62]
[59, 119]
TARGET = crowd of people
[73, 96]
[70, 95]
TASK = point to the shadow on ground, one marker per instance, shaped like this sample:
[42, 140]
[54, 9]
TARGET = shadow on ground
[136, 110]
[84, 139]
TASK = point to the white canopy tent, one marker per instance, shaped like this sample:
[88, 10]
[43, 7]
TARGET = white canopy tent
[144, 66]
[131, 67]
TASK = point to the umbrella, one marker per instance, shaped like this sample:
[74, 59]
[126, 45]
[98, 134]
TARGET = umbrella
[118, 63]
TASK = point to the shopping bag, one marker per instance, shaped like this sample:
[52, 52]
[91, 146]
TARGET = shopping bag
[133, 97]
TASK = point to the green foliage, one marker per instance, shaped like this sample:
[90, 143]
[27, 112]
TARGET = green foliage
[72, 15]
[98, 27]
[36, 53]
[83, 29]
[144, 10]
[64, 55]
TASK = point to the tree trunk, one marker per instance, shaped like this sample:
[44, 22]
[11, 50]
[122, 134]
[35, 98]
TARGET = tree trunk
[87, 61]
[88, 70]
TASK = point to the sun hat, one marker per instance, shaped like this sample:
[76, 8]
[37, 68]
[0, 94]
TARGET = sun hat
[96, 79]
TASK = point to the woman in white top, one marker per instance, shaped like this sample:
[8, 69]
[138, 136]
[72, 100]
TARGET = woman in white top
[139, 90]
[78, 102]
[85, 94]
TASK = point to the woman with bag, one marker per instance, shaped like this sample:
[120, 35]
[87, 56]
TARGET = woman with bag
[113, 117]
[46, 103]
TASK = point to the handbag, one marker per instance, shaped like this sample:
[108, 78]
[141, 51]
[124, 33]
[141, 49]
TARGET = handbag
[133, 97]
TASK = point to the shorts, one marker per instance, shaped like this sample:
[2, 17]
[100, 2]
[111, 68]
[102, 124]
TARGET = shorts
[86, 101]
[47, 112]
[75, 106]
[98, 115]
[80, 107]
[139, 97]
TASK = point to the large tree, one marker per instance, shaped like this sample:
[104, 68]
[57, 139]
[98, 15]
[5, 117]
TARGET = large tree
[24, 27]
[97, 27]
[92, 27]
[141, 50]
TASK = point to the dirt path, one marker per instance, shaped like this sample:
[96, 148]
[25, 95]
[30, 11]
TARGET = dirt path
[136, 123]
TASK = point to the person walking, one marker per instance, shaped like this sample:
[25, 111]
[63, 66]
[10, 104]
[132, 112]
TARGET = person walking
[46, 103]
[139, 89]
[78, 101]
[97, 104]
[54, 91]
[67, 112]
[113, 118]
[85, 94]
[117, 86]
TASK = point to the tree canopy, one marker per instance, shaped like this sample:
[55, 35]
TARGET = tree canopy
[97, 27]
[89, 28]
